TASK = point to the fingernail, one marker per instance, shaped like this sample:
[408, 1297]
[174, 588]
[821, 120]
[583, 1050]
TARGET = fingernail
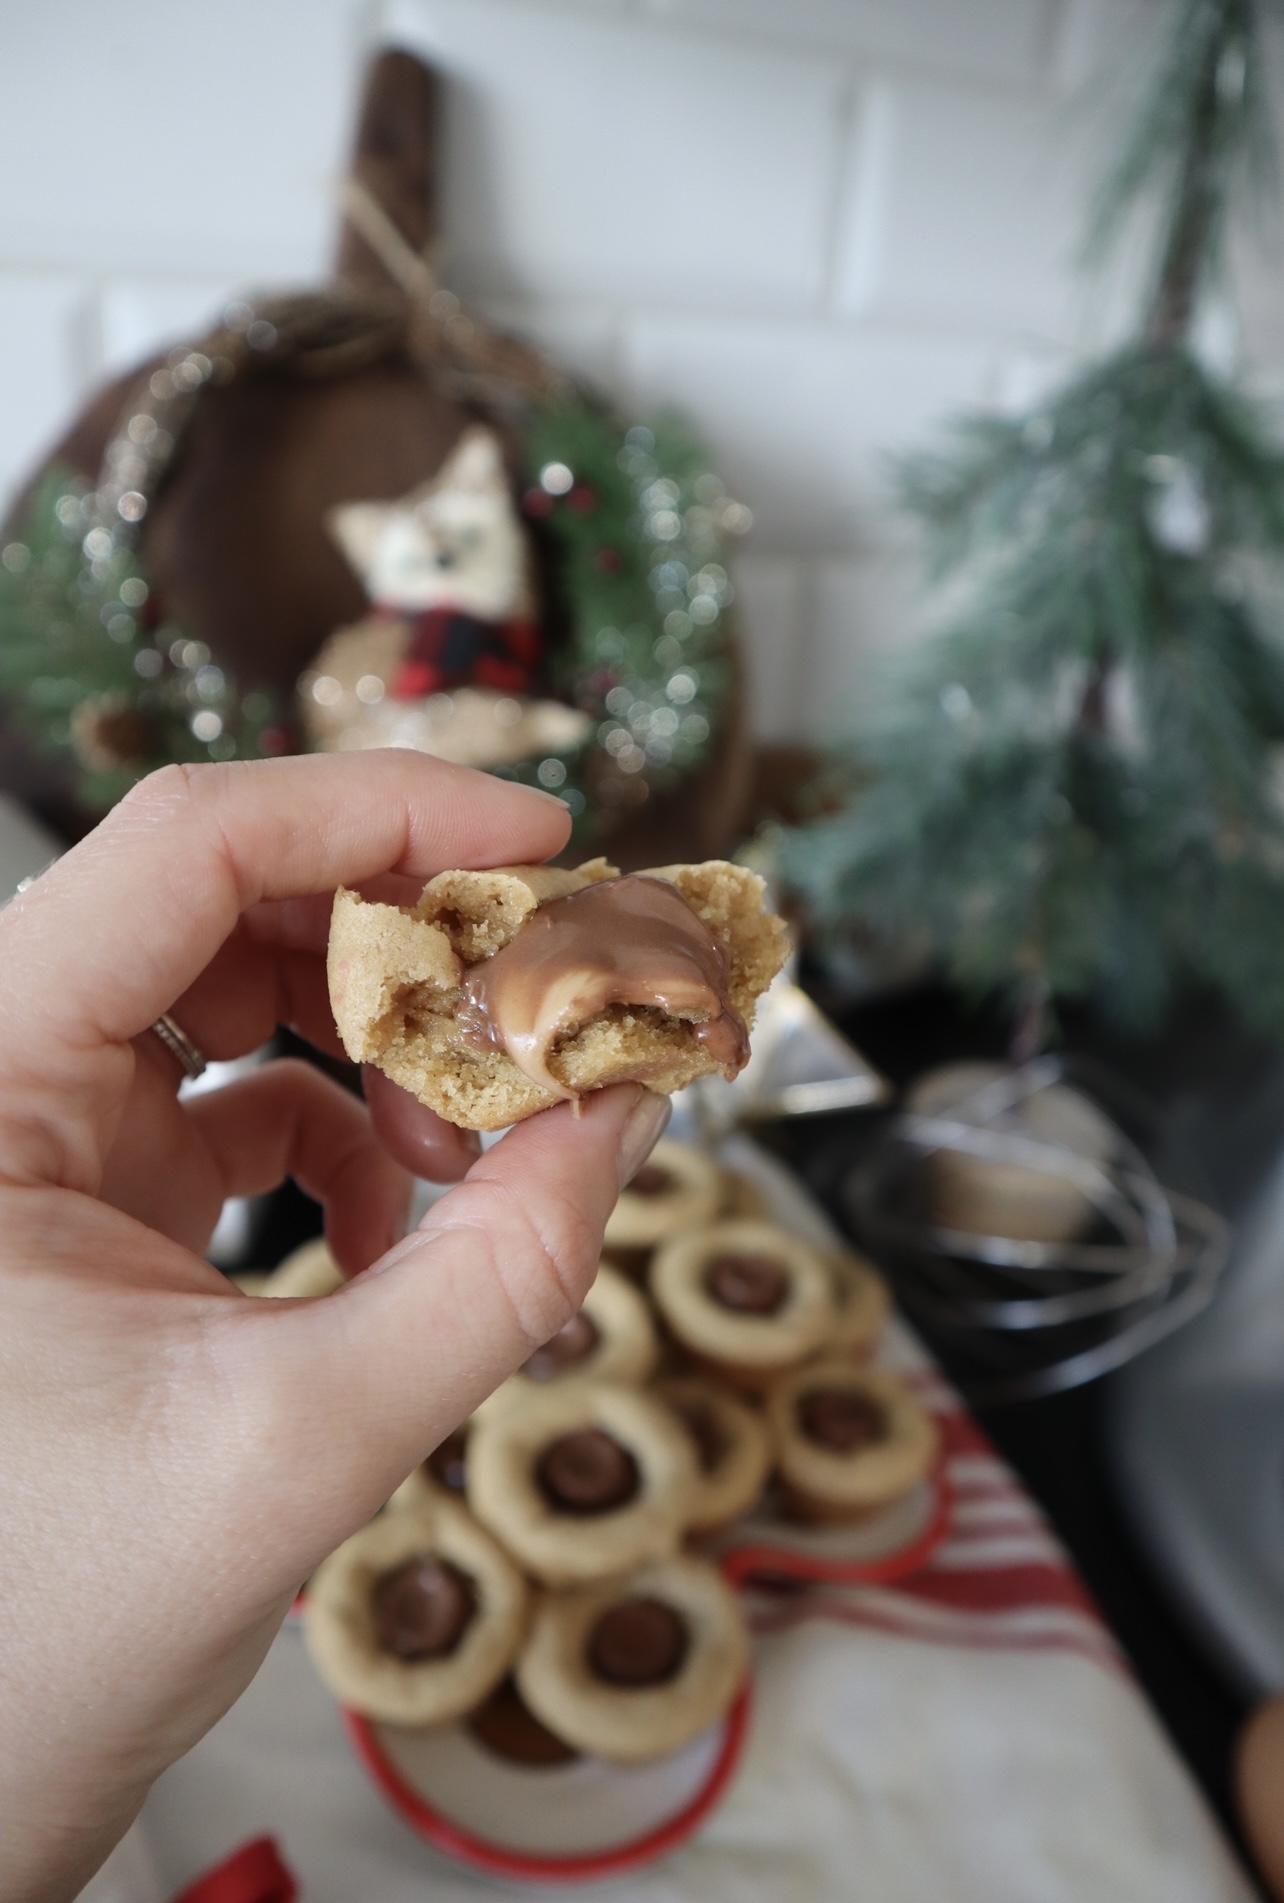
[640, 1134]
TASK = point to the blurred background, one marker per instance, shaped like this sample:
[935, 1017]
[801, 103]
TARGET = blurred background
[818, 228]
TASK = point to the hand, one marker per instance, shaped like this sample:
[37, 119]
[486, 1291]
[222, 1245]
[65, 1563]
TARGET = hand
[176, 1457]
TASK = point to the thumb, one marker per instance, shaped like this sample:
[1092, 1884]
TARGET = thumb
[378, 1373]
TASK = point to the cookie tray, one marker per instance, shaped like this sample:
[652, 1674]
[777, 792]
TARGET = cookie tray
[587, 1820]
[572, 1823]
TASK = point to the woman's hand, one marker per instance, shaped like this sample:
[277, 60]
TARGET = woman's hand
[176, 1458]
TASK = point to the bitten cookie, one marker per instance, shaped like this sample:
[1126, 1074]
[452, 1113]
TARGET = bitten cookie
[500, 993]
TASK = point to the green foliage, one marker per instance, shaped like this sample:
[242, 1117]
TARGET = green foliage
[1204, 142]
[1071, 789]
[76, 646]
[635, 525]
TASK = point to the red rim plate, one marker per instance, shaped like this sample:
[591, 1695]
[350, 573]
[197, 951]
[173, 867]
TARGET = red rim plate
[746, 1563]
[494, 1861]
[741, 1567]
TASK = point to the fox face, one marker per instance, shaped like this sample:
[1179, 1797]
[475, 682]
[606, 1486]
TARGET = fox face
[455, 542]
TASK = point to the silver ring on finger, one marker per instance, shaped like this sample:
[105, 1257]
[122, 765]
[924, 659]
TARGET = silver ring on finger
[189, 1057]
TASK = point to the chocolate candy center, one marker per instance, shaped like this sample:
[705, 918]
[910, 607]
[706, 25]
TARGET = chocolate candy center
[587, 1472]
[750, 1284]
[639, 1642]
[566, 1349]
[423, 1609]
[448, 1463]
[506, 1725]
[651, 1180]
[705, 1430]
[841, 1420]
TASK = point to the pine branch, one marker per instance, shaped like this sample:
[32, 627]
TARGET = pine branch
[1204, 135]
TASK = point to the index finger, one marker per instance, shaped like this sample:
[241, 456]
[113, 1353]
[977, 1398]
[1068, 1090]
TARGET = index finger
[96, 950]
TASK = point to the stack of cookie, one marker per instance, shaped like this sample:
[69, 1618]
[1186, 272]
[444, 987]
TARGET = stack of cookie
[769, 1344]
[545, 1573]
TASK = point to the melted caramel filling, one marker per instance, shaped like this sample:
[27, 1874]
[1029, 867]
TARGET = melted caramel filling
[632, 941]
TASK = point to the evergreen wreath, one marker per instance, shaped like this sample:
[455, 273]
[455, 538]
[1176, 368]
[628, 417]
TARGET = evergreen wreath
[633, 522]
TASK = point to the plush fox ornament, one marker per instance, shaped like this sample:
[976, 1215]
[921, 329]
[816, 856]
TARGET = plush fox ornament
[447, 660]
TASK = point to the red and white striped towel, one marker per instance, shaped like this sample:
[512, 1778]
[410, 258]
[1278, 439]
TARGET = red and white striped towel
[999, 1580]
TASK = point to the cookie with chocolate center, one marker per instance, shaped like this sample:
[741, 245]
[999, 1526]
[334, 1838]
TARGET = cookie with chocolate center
[612, 1338]
[639, 1666]
[744, 1297]
[565, 1352]
[445, 1472]
[849, 1439]
[502, 992]
[422, 1608]
[678, 1188]
[732, 1448]
[417, 1617]
[581, 1479]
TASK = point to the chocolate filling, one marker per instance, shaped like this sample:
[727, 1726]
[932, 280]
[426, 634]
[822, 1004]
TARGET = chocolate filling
[841, 1420]
[632, 941]
[506, 1725]
[423, 1609]
[651, 1180]
[750, 1284]
[448, 1463]
[566, 1349]
[587, 1472]
[637, 1643]
[705, 1430]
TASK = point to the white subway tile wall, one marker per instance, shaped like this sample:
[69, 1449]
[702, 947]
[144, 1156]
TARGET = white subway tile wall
[821, 226]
